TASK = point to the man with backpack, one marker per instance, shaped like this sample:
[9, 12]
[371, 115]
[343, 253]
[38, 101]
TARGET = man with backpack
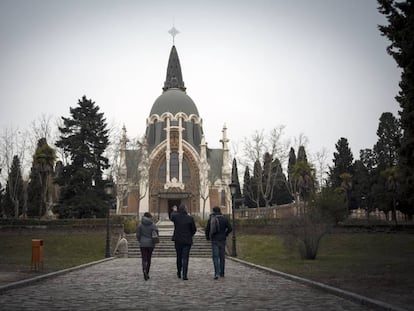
[217, 229]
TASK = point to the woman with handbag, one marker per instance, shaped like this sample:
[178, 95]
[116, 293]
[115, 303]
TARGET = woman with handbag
[147, 236]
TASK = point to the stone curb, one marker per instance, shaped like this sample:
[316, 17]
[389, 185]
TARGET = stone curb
[39, 278]
[376, 304]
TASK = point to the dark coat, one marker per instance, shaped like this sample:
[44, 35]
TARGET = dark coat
[184, 228]
[144, 232]
[224, 231]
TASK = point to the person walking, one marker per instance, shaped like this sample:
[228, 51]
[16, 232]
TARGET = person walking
[184, 230]
[217, 229]
[145, 238]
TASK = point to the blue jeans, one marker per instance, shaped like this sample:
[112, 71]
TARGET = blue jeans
[183, 255]
[219, 250]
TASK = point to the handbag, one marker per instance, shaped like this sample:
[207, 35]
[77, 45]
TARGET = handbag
[155, 237]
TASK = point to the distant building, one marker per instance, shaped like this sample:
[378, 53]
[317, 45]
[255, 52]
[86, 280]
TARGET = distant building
[173, 165]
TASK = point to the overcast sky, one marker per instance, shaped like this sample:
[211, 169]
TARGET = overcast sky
[319, 67]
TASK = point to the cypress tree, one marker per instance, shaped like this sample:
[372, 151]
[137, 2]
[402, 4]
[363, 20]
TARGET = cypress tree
[291, 165]
[302, 154]
[268, 179]
[235, 179]
[281, 193]
[2, 213]
[257, 184]
[247, 189]
[14, 196]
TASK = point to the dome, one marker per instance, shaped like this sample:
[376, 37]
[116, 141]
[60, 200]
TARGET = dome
[174, 101]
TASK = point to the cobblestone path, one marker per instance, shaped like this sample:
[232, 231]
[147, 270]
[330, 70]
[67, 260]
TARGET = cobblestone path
[119, 285]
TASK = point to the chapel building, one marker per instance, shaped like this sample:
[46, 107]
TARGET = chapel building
[173, 164]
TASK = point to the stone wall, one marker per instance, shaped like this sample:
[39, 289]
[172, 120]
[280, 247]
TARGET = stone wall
[360, 213]
[280, 211]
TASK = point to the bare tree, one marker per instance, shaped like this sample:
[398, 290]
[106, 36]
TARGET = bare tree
[113, 149]
[301, 140]
[13, 142]
[143, 173]
[253, 148]
[136, 182]
[279, 147]
[267, 148]
[204, 184]
[60, 152]
[320, 158]
[42, 127]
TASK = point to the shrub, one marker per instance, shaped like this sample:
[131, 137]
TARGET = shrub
[130, 224]
[331, 205]
[306, 231]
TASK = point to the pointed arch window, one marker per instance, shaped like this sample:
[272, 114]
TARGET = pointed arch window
[174, 168]
[174, 165]
[186, 171]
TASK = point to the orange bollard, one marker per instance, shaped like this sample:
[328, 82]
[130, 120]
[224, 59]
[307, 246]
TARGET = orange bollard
[37, 255]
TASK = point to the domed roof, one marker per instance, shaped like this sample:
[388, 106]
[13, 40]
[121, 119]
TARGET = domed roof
[174, 101]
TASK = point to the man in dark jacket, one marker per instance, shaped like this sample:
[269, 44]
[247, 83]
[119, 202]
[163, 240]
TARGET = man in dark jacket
[184, 229]
[217, 229]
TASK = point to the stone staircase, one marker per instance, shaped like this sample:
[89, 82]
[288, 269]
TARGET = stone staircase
[200, 248]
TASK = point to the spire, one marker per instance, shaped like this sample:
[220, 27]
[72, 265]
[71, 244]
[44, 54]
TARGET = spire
[174, 77]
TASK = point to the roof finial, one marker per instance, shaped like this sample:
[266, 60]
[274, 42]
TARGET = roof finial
[173, 32]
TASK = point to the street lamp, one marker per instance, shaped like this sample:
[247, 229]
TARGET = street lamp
[109, 187]
[233, 189]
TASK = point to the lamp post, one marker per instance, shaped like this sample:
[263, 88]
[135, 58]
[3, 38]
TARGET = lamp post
[108, 190]
[233, 190]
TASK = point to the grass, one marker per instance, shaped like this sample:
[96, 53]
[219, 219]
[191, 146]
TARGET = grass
[60, 251]
[378, 265]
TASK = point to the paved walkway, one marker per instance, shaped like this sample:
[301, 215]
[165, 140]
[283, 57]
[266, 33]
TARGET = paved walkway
[119, 285]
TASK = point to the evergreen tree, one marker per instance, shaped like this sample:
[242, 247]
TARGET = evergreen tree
[2, 213]
[14, 196]
[291, 165]
[400, 31]
[302, 154]
[84, 137]
[391, 176]
[257, 184]
[281, 193]
[34, 195]
[268, 179]
[365, 177]
[235, 180]
[247, 189]
[386, 153]
[40, 177]
[362, 183]
[331, 205]
[343, 159]
[389, 137]
[346, 188]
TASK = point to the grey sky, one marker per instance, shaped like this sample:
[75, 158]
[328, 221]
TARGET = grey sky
[317, 67]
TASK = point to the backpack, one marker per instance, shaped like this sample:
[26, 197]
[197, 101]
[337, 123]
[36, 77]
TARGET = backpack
[214, 225]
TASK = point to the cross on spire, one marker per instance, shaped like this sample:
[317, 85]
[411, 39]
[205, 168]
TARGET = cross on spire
[173, 32]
